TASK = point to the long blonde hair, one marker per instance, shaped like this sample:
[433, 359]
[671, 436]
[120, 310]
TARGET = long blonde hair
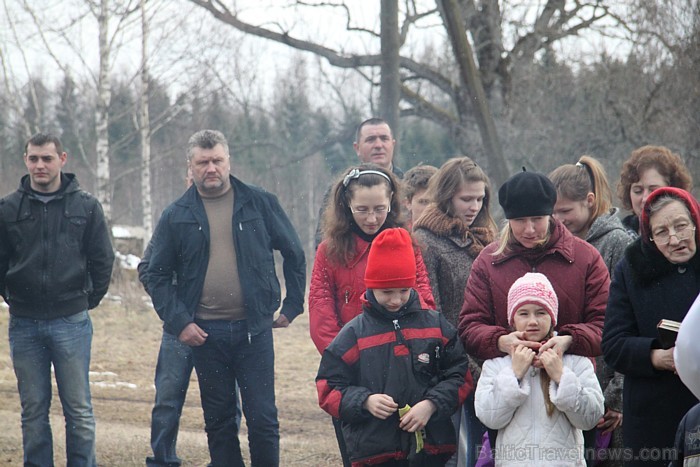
[506, 238]
[545, 380]
[575, 181]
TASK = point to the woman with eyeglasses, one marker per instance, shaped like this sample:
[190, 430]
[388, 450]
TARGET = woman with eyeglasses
[658, 278]
[364, 202]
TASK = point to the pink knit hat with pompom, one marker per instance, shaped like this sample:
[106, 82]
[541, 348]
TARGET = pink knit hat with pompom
[533, 288]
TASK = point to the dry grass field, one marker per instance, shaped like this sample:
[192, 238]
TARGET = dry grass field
[124, 351]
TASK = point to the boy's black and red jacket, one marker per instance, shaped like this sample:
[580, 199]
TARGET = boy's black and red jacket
[410, 355]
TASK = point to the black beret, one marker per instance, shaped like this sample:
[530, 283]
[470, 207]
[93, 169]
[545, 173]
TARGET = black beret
[527, 194]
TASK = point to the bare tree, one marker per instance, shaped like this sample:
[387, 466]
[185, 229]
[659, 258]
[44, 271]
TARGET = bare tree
[469, 75]
[483, 22]
[104, 92]
[145, 130]
[390, 80]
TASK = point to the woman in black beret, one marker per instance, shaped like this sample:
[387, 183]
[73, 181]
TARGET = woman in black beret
[533, 241]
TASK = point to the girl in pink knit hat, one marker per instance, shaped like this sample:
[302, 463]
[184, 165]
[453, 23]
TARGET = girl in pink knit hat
[538, 401]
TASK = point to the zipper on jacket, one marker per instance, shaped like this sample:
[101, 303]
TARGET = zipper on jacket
[399, 335]
[347, 296]
[240, 227]
[249, 337]
[45, 244]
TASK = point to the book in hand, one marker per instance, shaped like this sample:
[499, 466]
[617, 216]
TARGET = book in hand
[668, 331]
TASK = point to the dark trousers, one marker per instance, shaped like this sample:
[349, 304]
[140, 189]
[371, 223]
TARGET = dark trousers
[228, 356]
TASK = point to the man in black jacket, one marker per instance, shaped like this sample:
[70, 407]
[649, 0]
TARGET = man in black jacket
[219, 239]
[55, 264]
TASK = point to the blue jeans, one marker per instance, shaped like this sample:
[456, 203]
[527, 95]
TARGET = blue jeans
[172, 379]
[228, 356]
[65, 343]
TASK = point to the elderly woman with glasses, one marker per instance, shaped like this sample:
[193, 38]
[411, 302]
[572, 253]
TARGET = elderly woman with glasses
[658, 278]
[364, 202]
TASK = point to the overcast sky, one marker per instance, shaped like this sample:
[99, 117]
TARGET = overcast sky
[180, 28]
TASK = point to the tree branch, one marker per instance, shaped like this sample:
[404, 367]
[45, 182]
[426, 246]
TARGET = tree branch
[427, 109]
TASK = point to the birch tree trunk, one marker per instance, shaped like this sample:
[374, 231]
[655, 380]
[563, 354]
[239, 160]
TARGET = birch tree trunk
[145, 130]
[104, 92]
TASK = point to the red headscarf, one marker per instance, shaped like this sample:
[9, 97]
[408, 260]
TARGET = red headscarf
[681, 195]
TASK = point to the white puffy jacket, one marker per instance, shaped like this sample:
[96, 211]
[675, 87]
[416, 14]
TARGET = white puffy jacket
[526, 435]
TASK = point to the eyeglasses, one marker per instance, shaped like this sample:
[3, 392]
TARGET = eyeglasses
[680, 231]
[365, 212]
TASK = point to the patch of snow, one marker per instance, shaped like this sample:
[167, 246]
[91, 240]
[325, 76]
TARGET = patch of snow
[102, 373]
[105, 376]
[118, 384]
[127, 231]
[127, 261]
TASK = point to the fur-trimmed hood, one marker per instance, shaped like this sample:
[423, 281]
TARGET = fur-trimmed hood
[444, 225]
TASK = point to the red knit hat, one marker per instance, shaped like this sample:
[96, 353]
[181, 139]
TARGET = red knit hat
[533, 288]
[391, 262]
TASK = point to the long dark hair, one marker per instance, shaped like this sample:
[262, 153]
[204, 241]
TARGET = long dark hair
[337, 217]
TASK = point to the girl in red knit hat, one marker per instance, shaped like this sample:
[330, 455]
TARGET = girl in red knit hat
[538, 401]
[395, 374]
[364, 201]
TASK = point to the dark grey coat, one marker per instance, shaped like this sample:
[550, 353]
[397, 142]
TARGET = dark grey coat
[449, 248]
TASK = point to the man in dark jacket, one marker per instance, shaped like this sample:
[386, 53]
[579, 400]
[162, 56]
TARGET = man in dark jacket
[219, 239]
[55, 264]
[374, 143]
[172, 380]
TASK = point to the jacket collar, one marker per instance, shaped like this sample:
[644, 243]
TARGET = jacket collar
[647, 264]
[605, 224]
[242, 194]
[69, 184]
[361, 250]
[561, 242]
[438, 222]
[370, 306]
[441, 224]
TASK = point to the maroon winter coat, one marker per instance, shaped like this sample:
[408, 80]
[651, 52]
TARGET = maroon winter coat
[575, 269]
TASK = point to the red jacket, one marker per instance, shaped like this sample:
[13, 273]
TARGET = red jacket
[335, 293]
[577, 273]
